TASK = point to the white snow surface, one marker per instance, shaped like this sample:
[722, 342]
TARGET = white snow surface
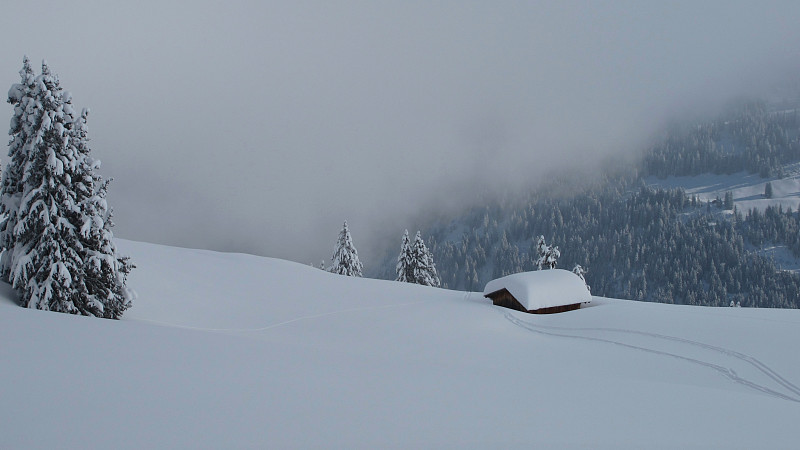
[781, 256]
[542, 288]
[236, 351]
[747, 188]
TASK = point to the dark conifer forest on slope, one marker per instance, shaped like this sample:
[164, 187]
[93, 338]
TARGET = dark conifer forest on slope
[644, 243]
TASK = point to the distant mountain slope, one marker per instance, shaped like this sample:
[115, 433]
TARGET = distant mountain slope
[232, 351]
[779, 239]
[753, 136]
[637, 243]
[747, 189]
[661, 237]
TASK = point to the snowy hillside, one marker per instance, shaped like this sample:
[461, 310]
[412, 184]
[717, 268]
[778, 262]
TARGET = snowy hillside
[747, 191]
[747, 188]
[230, 351]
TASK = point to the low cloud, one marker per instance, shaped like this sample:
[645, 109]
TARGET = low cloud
[259, 128]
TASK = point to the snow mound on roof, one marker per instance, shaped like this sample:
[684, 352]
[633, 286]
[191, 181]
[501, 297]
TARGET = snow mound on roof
[542, 289]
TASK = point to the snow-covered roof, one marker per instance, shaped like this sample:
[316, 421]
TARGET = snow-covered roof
[542, 288]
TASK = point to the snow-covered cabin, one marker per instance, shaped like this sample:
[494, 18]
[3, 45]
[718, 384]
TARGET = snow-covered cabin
[540, 292]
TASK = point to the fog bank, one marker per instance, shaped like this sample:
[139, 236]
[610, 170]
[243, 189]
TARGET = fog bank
[259, 127]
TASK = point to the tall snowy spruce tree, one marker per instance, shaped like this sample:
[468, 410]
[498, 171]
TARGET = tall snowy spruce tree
[20, 96]
[345, 256]
[423, 266]
[405, 261]
[62, 257]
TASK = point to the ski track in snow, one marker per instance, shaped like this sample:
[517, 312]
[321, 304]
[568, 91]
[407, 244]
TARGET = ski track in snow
[766, 370]
[793, 390]
[729, 373]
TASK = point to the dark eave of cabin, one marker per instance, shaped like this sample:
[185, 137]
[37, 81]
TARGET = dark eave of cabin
[506, 300]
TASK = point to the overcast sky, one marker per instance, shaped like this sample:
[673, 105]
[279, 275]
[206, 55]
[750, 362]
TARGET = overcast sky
[260, 126]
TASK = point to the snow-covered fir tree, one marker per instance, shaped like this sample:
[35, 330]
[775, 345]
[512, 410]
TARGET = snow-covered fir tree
[345, 256]
[46, 258]
[541, 249]
[105, 271]
[551, 258]
[405, 261]
[581, 273]
[21, 97]
[423, 266]
[63, 256]
[548, 255]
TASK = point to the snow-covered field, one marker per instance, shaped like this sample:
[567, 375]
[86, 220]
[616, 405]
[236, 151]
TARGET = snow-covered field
[232, 351]
[747, 189]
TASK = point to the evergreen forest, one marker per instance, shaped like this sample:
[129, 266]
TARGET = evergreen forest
[645, 243]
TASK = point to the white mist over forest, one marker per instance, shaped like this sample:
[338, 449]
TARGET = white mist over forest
[259, 127]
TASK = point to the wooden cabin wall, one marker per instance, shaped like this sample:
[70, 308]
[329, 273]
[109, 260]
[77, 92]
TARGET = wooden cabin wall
[505, 299]
[556, 309]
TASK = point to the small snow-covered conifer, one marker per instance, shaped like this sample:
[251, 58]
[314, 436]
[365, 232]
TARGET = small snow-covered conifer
[541, 249]
[548, 255]
[551, 259]
[345, 256]
[434, 275]
[405, 261]
[21, 97]
[423, 266]
[581, 273]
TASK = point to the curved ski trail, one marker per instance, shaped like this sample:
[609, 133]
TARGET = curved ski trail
[763, 368]
[794, 392]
